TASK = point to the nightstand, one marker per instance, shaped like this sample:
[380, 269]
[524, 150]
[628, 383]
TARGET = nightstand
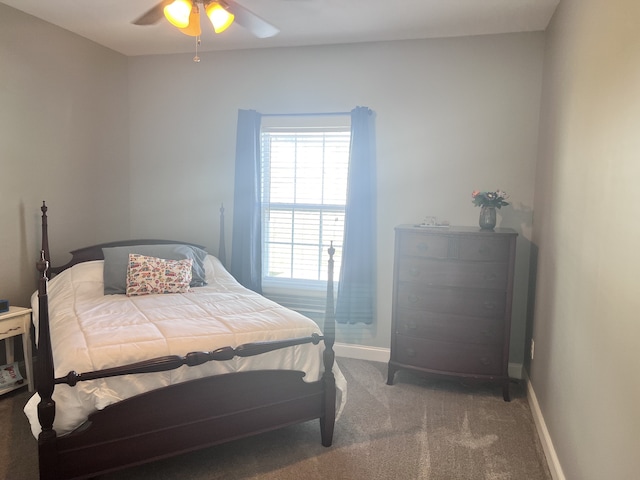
[17, 321]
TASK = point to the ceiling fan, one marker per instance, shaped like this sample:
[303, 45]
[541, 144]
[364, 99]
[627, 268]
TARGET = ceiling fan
[185, 15]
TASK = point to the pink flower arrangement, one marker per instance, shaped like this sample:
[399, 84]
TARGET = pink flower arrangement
[489, 199]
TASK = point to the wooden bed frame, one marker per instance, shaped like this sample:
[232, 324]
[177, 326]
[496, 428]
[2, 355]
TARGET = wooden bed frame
[182, 417]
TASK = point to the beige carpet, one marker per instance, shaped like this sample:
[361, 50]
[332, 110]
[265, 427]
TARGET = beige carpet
[415, 429]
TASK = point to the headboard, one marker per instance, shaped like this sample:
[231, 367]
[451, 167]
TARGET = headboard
[94, 252]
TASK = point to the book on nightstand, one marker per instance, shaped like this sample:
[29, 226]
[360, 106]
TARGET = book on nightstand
[10, 378]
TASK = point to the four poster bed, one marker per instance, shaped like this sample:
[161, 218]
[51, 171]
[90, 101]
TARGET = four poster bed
[162, 374]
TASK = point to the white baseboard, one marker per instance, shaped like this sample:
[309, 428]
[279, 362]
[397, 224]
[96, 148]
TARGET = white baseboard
[379, 354]
[547, 445]
[362, 352]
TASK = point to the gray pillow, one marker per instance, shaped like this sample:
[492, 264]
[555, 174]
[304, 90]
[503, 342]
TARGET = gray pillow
[116, 261]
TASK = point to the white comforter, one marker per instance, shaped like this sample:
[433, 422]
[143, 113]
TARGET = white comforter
[91, 331]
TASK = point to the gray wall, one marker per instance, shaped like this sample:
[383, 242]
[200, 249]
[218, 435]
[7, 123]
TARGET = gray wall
[586, 230]
[150, 140]
[64, 138]
[453, 115]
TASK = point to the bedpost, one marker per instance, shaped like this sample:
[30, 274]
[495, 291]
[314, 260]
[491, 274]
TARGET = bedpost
[222, 254]
[45, 375]
[45, 236]
[327, 421]
[330, 316]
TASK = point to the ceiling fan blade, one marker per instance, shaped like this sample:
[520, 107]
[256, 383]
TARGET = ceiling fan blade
[153, 15]
[246, 18]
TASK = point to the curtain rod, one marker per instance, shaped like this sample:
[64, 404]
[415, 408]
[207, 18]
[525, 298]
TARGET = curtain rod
[303, 114]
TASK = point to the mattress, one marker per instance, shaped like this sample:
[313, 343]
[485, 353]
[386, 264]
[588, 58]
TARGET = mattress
[92, 331]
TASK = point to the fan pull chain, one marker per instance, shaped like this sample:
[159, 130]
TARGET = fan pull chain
[197, 58]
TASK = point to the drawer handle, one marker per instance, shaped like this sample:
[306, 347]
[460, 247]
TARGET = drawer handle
[414, 272]
[422, 247]
[412, 298]
[485, 361]
[411, 326]
[490, 305]
[489, 276]
[411, 352]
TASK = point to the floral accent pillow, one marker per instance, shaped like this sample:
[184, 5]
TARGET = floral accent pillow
[148, 275]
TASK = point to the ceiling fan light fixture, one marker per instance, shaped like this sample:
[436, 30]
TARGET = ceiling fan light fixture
[193, 29]
[178, 13]
[220, 17]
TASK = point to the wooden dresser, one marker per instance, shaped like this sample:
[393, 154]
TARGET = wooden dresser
[452, 297]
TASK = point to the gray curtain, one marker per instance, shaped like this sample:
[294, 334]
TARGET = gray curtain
[246, 245]
[356, 291]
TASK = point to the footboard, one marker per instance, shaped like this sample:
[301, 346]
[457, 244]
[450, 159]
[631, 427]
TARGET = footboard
[211, 411]
[181, 417]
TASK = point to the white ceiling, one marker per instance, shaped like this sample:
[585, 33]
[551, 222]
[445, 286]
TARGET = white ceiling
[301, 22]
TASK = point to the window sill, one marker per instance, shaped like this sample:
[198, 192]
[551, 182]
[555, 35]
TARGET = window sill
[292, 286]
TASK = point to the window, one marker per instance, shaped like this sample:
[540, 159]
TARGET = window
[304, 189]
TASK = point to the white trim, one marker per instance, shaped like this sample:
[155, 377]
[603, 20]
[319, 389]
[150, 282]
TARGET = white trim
[545, 438]
[378, 354]
[362, 352]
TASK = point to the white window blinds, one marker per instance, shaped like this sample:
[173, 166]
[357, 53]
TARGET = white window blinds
[304, 175]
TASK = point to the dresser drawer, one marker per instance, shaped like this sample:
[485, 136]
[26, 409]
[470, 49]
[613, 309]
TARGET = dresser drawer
[431, 246]
[469, 302]
[452, 273]
[449, 328]
[484, 249]
[448, 357]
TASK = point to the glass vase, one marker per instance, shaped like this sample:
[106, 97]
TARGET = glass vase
[487, 217]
